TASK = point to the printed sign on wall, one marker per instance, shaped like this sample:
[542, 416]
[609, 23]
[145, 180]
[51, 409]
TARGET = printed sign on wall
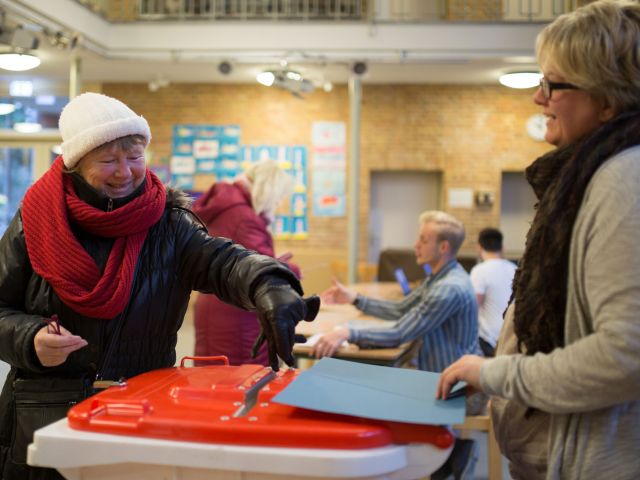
[329, 168]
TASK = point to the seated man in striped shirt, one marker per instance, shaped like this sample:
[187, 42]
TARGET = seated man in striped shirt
[443, 311]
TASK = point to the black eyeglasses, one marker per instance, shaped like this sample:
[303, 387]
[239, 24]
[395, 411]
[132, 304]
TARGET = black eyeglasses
[548, 87]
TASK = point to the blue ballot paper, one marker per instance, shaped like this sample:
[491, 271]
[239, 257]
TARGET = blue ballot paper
[370, 391]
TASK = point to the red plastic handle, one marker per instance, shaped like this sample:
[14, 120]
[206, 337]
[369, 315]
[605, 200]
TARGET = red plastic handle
[216, 358]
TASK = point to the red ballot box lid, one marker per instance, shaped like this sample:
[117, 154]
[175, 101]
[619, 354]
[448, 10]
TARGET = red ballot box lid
[232, 405]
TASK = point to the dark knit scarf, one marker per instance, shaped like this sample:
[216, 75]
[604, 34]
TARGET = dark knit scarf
[58, 257]
[559, 180]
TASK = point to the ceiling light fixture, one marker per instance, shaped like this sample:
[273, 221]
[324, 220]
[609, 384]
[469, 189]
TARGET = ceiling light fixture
[20, 41]
[27, 127]
[520, 79]
[266, 78]
[158, 83]
[7, 108]
[18, 62]
[21, 88]
[286, 79]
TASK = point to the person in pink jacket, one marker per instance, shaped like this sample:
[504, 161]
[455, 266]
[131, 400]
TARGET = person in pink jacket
[241, 211]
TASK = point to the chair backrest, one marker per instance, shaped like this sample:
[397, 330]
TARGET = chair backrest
[467, 262]
[404, 258]
[409, 358]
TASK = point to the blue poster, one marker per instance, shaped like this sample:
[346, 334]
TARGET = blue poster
[292, 217]
[329, 169]
[204, 149]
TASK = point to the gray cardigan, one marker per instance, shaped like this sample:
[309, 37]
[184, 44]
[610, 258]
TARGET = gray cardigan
[591, 387]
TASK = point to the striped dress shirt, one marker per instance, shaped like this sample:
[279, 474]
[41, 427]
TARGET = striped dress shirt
[443, 311]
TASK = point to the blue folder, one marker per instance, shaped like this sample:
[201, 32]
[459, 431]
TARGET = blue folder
[371, 391]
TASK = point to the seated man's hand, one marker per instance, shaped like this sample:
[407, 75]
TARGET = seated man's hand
[466, 369]
[338, 293]
[329, 343]
[279, 309]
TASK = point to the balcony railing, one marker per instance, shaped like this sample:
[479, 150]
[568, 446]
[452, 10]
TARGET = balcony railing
[333, 10]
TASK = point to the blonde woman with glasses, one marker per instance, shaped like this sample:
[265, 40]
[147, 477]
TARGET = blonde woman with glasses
[566, 378]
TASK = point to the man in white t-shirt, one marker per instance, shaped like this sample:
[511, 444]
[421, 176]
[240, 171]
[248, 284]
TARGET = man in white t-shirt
[491, 279]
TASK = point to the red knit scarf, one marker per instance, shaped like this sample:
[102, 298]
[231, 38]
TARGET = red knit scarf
[58, 257]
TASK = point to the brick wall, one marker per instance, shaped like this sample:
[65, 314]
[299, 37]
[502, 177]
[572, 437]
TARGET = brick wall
[469, 133]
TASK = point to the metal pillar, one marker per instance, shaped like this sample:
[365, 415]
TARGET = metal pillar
[75, 77]
[355, 99]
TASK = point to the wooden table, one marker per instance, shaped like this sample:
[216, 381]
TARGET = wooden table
[332, 316]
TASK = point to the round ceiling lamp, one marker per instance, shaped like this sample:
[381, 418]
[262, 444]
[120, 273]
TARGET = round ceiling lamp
[7, 108]
[266, 78]
[520, 79]
[27, 127]
[18, 62]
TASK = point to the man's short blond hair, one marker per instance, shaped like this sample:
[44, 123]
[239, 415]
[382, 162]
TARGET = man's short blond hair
[448, 227]
[596, 48]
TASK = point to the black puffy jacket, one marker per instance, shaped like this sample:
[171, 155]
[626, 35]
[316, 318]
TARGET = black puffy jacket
[178, 256]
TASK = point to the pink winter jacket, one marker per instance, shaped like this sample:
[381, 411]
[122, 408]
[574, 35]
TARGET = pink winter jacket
[222, 329]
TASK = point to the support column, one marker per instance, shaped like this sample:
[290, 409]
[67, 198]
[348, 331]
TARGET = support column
[355, 100]
[75, 77]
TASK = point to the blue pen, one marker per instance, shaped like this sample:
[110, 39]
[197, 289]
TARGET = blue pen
[402, 280]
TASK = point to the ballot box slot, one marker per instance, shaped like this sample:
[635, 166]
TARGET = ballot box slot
[251, 394]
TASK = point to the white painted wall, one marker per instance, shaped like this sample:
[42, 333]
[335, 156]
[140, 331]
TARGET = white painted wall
[397, 200]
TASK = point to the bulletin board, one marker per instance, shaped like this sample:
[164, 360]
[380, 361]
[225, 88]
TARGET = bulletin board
[206, 151]
[204, 154]
[291, 220]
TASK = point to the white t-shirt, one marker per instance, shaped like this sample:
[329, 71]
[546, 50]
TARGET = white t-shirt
[492, 278]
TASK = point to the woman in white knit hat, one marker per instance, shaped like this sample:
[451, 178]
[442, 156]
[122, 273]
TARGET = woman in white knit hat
[96, 270]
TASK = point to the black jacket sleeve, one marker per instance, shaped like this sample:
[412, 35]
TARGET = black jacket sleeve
[218, 265]
[17, 327]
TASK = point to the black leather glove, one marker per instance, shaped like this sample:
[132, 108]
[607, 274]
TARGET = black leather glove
[279, 309]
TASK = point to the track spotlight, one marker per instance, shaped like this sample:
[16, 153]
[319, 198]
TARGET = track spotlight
[286, 79]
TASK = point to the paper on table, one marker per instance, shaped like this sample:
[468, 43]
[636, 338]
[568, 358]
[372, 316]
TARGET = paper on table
[370, 391]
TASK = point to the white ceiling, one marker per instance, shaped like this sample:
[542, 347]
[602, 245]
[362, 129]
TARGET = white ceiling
[190, 52]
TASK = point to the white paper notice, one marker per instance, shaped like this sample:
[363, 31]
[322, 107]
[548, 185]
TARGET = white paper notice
[183, 165]
[460, 198]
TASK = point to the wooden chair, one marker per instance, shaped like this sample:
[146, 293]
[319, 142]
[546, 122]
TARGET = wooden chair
[483, 423]
[406, 360]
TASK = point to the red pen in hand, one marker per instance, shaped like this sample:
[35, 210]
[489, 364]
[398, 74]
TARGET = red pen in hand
[53, 325]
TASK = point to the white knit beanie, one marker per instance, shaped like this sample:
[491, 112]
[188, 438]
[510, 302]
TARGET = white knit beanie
[91, 120]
